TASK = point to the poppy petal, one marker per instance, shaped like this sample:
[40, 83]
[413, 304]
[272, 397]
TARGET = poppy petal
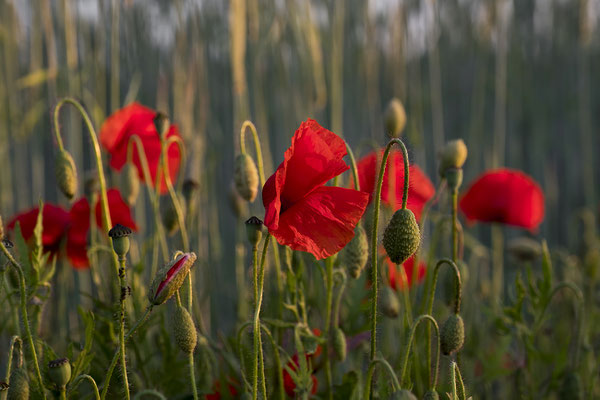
[55, 221]
[120, 212]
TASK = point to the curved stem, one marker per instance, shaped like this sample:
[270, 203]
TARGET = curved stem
[454, 225]
[91, 381]
[458, 383]
[122, 326]
[24, 316]
[369, 381]
[433, 322]
[149, 392]
[458, 288]
[338, 299]
[353, 167]
[259, 157]
[259, 276]
[13, 341]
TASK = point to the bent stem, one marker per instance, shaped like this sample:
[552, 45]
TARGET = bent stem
[433, 322]
[91, 381]
[24, 316]
[259, 276]
[457, 281]
[395, 383]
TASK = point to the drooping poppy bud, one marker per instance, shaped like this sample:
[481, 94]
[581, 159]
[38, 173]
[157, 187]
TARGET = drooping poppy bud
[131, 183]
[395, 118]
[403, 394]
[184, 330]
[59, 371]
[162, 123]
[169, 278]
[402, 236]
[339, 343]
[254, 227]
[356, 253]
[19, 385]
[120, 239]
[245, 176]
[189, 190]
[390, 305]
[431, 395]
[66, 173]
[452, 334]
[453, 155]
[170, 219]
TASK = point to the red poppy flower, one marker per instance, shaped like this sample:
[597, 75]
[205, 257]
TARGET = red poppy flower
[55, 222]
[80, 226]
[300, 211]
[396, 278]
[506, 196]
[288, 382]
[420, 188]
[136, 119]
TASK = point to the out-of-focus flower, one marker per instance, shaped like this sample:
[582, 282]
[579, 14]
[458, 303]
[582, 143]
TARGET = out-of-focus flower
[396, 278]
[288, 382]
[135, 119]
[300, 211]
[216, 394]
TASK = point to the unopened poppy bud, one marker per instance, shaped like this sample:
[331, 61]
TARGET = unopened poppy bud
[59, 371]
[431, 395]
[339, 343]
[19, 385]
[170, 219]
[390, 305]
[189, 190]
[453, 155]
[403, 395]
[395, 118]
[356, 253]
[401, 237]
[131, 184]
[91, 188]
[120, 239]
[184, 330]
[66, 173]
[162, 123]
[571, 388]
[245, 176]
[169, 278]
[452, 334]
[454, 178]
[524, 249]
[254, 227]
[239, 206]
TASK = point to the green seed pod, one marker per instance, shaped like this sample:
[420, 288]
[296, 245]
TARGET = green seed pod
[524, 249]
[454, 178]
[184, 330]
[59, 371]
[453, 155]
[245, 176]
[254, 227]
[401, 237]
[431, 395]
[571, 388]
[66, 173]
[452, 334]
[403, 395]
[356, 253]
[390, 305]
[130, 183]
[19, 385]
[169, 278]
[120, 239]
[162, 123]
[339, 343]
[395, 118]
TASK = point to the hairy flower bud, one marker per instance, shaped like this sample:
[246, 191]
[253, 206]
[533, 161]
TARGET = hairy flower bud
[239, 206]
[431, 395]
[245, 176]
[170, 277]
[453, 155]
[59, 371]
[120, 239]
[403, 394]
[184, 330]
[525, 249]
[254, 227]
[162, 123]
[395, 118]
[452, 334]
[66, 173]
[170, 219]
[189, 191]
[389, 303]
[19, 385]
[402, 236]
[356, 253]
[131, 183]
[339, 343]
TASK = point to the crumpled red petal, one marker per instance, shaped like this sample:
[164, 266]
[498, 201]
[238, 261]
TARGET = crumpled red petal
[120, 213]
[55, 221]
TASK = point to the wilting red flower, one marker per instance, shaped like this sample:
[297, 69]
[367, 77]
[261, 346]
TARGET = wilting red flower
[420, 188]
[288, 382]
[300, 211]
[506, 196]
[396, 278]
[80, 224]
[55, 222]
[136, 119]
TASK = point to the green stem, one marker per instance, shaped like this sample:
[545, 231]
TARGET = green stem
[353, 167]
[91, 381]
[326, 334]
[14, 340]
[149, 392]
[497, 260]
[24, 316]
[395, 383]
[259, 275]
[193, 375]
[453, 380]
[338, 299]
[458, 287]
[433, 322]
[63, 393]
[454, 225]
[458, 383]
[123, 283]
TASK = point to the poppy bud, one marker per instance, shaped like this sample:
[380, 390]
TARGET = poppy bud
[245, 176]
[162, 123]
[169, 278]
[452, 334]
[454, 177]
[59, 371]
[131, 184]
[401, 237]
[120, 239]
[254, 228]
[19, 385]
[339, 343]
[390, 305]
[356, 253]
[239, 207]
[184, 330]
[91, 187]
[403, 395]
[524, 249]
[431, 395]
[571, 388]
[453, 155]
[189, 189]
[395, 118]
[170, 219]
[66, 173]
